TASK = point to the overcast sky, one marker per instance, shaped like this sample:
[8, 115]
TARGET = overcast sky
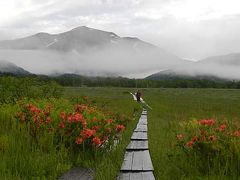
[191, 29]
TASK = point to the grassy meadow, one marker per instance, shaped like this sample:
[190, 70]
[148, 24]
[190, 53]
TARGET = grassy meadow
[172, 106]
[20, 159]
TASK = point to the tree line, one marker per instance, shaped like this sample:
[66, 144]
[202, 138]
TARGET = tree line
[83, 81]
[75, 80]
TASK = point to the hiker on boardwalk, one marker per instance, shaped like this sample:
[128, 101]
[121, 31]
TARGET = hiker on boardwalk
[138, 96]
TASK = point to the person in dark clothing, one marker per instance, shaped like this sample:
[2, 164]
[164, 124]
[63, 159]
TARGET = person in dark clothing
[138, 96]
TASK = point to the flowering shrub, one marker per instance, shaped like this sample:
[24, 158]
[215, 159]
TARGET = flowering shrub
[83, 127]
[212, 142]
[37, 120]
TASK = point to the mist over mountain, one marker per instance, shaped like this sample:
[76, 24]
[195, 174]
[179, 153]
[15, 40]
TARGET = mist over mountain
[7, 67]
[225, 67]
[87, 51]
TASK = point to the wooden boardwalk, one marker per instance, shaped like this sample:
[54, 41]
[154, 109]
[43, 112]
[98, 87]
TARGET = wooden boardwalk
[137, 164]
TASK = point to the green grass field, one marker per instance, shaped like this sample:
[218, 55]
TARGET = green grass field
[19, 160]
[171, 106]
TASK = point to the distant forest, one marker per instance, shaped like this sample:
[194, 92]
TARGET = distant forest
[83, 81]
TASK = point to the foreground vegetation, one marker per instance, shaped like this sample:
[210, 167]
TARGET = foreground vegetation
[193, 133]
[43, 137]
[178, 150]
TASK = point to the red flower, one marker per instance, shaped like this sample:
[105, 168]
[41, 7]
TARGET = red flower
[236, 134]
[33, 109]
[189, 144]
[180, 136]
[78, 117]
[208, 122]
[120, 128]
[222, 127]
[79, 140]
[194, 139]
[96, 141]
[70, 118]
[61, 125]
[88, 133]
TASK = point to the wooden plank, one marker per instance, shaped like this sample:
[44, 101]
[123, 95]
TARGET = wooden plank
[137, 145]
[136, 176]
[141, 125]
[127, 162]
[141, 128]
[142, 121]
[147, 163]
[148, 176]
[137, 161]
[143, 116]
[139, 136]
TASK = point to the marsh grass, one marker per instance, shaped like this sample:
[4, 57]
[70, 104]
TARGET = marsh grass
[172, 106]
[20, 158]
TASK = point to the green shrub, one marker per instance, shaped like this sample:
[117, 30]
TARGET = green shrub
[213, 146]
[14, 89]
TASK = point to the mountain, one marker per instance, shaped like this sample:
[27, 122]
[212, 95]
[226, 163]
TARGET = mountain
[224, 67]
[78, 39]
[7, 67]
[87, 51]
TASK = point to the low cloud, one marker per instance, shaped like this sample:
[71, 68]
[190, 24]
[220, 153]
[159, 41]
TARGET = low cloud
[105, 62]
[189, 29]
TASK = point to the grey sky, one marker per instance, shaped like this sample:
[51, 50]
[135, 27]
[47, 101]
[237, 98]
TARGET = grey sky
[188, 28]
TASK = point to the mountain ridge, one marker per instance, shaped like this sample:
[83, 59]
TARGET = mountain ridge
[66, 40]
[8, 67]
[87, 51]
[222, 66]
